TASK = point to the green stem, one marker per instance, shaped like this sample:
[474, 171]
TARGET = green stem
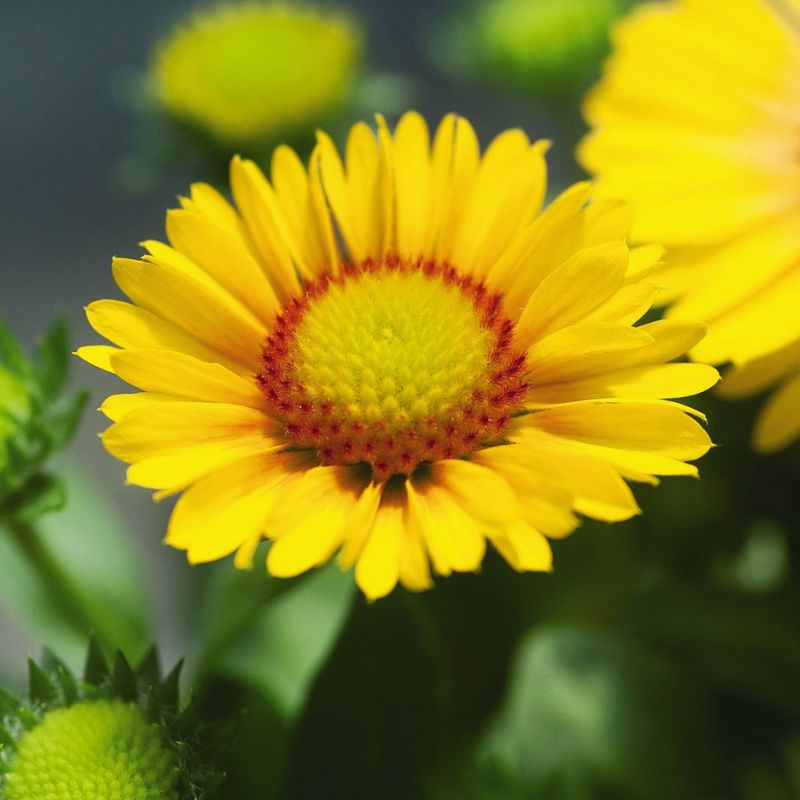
[64, 596]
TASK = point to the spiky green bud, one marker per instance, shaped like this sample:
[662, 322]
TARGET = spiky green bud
[116, 734]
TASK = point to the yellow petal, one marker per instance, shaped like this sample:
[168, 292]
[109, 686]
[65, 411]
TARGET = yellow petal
[573, 290]
[209, 202]
[170, 427]
[268, 231]
[598, 489]
[579, 351]
[413, 185]
[116, 406]
[525, 549]
[657, 427]
[771, 312]
[310, 522]
[752, 377]
[225, 257]
[378, 566]
[452, 537]
[483, 494]
[200, 308]
[246, 553]
[415, 570]
[170, 373]
[730, 279]
[547, 243]
[302, 203]
[98, 355]
[506, 196]
[173, 471]
[656, 382]
[334, 183]
[226, 510]
[455, 162]
[545, 498]
[127, 325]
[359, 525]
[779, 421]
[628, 305]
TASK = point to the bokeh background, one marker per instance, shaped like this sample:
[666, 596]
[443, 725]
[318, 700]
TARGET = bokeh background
[667, 649]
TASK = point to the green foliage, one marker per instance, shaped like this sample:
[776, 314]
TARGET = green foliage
[588, 714]
[37, 419]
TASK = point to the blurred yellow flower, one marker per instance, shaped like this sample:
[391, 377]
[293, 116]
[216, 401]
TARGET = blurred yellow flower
[697, 123]
[464, 369]
[255, 70]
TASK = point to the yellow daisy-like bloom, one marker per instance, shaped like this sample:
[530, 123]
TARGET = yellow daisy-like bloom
[254, 70]
[697, 123]
[464, 368]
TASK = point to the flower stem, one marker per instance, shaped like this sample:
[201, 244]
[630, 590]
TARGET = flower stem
[65, 598]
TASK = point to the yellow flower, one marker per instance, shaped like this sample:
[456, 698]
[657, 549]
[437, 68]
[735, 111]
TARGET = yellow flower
[697, 124]
[254, 70]
[465, 368]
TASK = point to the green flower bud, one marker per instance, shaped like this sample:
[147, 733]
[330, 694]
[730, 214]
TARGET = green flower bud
[253, 71]
[545, 47]
[116, 734]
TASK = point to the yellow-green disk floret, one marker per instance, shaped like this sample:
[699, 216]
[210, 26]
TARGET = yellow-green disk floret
[101, 750]
[397, 347]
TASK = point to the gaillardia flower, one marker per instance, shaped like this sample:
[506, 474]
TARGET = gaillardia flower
[254, 70]
[395, 357]
[696, 123]
[119, 735]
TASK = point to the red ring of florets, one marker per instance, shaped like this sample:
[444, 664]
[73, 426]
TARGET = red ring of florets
[390, 450]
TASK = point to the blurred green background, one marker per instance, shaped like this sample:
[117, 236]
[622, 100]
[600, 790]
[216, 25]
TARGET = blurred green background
[660, 660]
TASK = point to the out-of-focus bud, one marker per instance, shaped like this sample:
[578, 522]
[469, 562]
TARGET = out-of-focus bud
[256, 71]
[549, 48]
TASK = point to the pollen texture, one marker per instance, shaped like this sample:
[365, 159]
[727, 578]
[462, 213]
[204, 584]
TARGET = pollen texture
[393, 364]
[103, 749]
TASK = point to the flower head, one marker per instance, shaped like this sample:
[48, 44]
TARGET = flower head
[254, 70]
[115, 734]
[397, 358]
[696, 123]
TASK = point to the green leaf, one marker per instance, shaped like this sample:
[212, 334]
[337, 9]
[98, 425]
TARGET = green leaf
[286, 642]
[377, 720]
[11, 354]
[95, 670]
[42, 494]
[63, 423]
[90, 544]
[123, 678]
[590, 715]
[747, 645]
[53, 360]
[40, 687]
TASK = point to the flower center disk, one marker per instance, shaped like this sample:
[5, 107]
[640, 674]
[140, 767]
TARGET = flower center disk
[393, 364]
